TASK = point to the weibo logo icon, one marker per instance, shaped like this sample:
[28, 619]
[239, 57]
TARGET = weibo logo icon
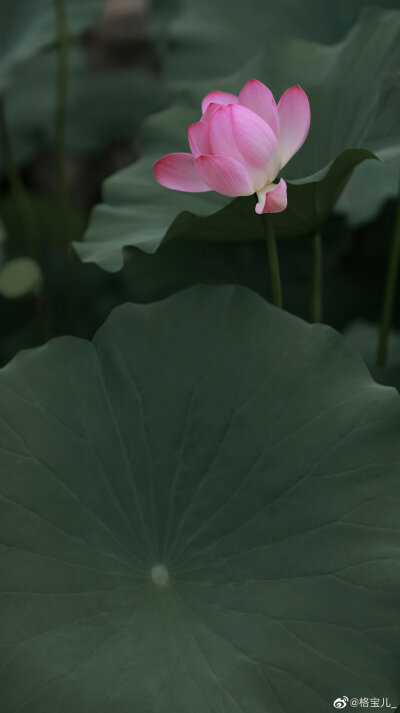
[340, 702]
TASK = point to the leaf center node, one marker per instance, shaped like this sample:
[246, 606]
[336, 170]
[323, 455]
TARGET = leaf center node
[159, 575]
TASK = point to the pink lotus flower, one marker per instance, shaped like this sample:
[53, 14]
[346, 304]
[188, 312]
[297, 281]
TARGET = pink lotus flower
[240, 145]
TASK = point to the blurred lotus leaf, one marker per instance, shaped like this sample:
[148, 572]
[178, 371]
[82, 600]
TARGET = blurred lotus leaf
[103, 106]
[19, 277]
[29, 26]
[370, 186]
[210, 39]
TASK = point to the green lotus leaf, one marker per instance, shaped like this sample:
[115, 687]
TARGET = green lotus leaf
[209, 39]
[20, 277]
[199, 512]
[370, 186]
[352, 120]
[103, 107]
[27, 28]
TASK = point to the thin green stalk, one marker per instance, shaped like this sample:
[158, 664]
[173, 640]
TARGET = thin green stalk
[62, 96]
[274, 271]
[16, 184]
[316, 280]
[61, 145]
[390, 291]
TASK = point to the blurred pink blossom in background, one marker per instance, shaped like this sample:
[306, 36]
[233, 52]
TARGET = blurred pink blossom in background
[240, 144]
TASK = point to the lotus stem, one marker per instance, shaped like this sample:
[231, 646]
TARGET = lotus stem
[62, 97]
[390, 291]
[16, 184]
[274, 271]
[316, 280]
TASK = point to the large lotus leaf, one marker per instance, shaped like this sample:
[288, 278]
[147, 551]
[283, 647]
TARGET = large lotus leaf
[28, 26]
[352, 120]
[208, 38]
[102, 106]
[198, 516]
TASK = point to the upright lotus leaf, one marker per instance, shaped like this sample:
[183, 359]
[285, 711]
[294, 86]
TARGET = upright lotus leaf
[208, 38]
[351, 120]
[102, 106]
[370, 186]
[28, 27]
[198, 516]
